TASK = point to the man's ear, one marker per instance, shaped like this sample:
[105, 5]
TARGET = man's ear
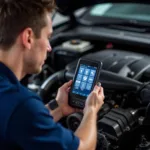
[27, 38]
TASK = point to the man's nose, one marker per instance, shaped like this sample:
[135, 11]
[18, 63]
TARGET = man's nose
[49, 48]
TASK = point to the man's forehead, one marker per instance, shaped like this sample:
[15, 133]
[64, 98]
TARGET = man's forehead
[50, 27]
[49, 22]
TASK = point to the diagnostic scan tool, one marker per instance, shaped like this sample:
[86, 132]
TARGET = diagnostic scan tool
[86, 76]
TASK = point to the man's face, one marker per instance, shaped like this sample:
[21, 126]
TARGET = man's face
[40, 47]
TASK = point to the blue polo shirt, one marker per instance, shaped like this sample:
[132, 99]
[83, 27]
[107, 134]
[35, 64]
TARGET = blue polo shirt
[25, 123]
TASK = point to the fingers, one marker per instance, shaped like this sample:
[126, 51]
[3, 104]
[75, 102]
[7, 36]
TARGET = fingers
[68, 90]
[99, 84]
[67, 84]
[96, 89]
[101, 90]
[101, 94]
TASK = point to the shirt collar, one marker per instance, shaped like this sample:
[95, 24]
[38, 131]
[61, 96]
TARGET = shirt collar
[7, 73]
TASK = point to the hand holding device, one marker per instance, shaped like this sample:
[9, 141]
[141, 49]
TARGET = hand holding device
[62, 99]
[86, 76]
[95, 99]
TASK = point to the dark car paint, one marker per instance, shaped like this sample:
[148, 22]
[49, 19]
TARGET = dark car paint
[67, 7]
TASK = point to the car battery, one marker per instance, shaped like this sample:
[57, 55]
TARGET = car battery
[68, 51]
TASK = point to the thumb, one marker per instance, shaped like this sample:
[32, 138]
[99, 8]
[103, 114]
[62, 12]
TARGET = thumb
[67, 84]
[96, 89]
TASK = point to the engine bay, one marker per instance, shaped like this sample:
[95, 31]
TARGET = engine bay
[123, 120]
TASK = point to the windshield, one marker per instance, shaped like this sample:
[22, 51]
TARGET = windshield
[130, 11]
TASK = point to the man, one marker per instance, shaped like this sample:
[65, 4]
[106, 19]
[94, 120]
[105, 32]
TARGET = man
[25, 123]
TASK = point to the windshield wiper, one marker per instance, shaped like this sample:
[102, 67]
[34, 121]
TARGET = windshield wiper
[128, 25]
[131, 27]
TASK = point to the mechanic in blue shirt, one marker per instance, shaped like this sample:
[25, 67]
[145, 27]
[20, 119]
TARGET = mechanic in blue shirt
[25, 122]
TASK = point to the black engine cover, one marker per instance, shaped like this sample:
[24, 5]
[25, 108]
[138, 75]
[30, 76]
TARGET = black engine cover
[126, 64]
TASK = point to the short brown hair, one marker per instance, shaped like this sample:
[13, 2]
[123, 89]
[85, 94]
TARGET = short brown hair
[16, 15]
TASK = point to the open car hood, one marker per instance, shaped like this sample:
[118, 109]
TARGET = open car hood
[67, 7]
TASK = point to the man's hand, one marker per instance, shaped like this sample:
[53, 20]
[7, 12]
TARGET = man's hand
[87, 130]
[62, 99]
[95, 99]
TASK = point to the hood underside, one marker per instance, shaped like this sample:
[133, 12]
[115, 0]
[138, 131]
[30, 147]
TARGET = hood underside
[67, 7]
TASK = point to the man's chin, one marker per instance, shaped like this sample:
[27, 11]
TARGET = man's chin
[36, 71]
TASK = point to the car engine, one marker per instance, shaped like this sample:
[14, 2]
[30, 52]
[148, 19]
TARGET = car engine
[123, 120]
